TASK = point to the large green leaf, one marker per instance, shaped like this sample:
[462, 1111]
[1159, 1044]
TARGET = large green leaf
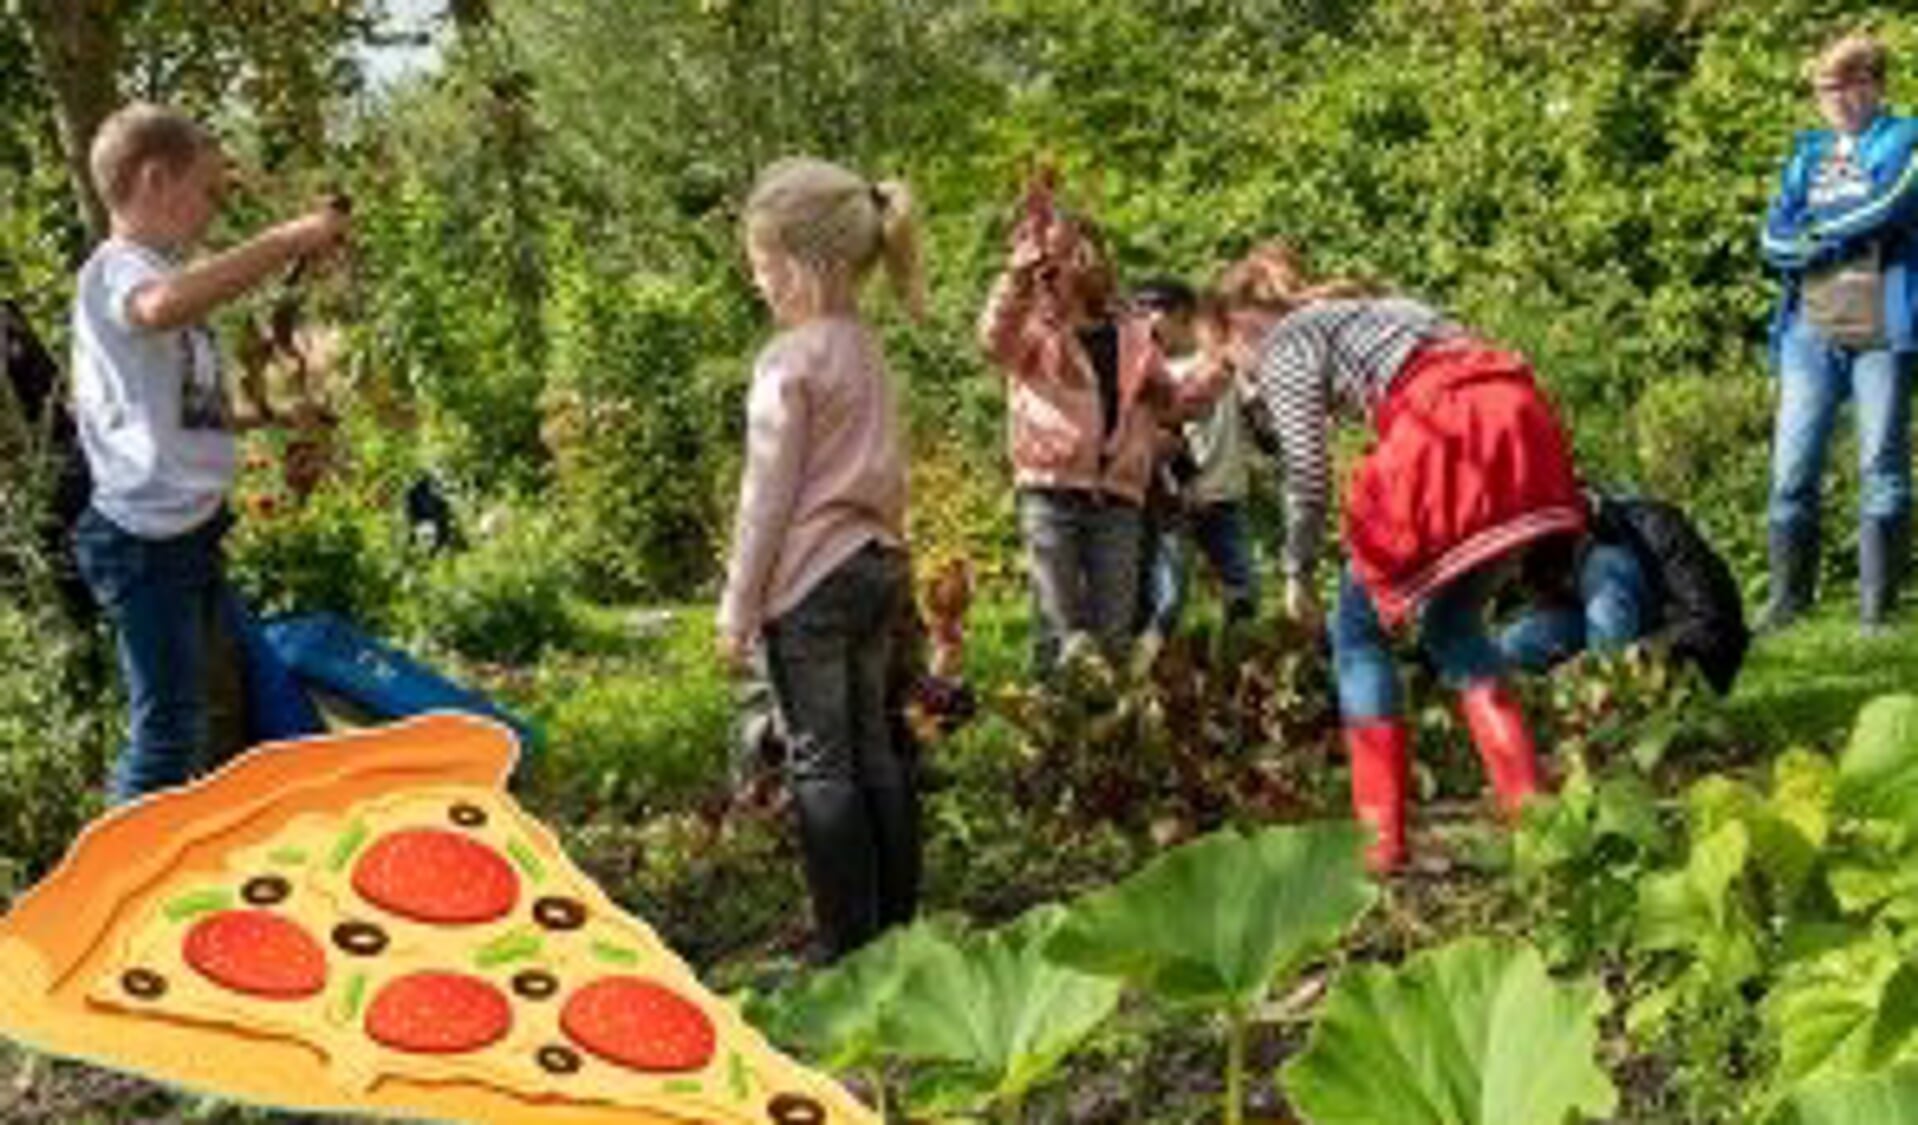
[1886, 1098]
[994, 1009]
[1473, 1033]
[1212, 923]
[1878, 772]
[1850, 1011]
[834, 1015]
[1695, 909]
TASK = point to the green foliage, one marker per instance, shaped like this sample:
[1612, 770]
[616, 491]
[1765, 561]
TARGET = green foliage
[504, 600]
[635, 740]
[1878, 772]
[1578, 858]
[1886, 1098]
[992, 1014]
[838, 1015]
[1215, 923]
[340, 552]
[56, 735]
[639, 428]
[1475, 1031]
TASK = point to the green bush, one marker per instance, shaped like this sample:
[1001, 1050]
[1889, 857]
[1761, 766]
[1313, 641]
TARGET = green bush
[342, 551]
[636, 736]
[641, 425]
[503, 600]
[57, 731]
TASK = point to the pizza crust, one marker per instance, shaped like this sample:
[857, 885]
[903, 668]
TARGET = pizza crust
[67, 933]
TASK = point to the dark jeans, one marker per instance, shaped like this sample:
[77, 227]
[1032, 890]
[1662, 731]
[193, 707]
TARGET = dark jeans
[171, 610]
[853, 789]
[1082, 555]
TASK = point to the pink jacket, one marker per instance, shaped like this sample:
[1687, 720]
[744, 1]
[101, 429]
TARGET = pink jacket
[825, 469]
[1054, 418]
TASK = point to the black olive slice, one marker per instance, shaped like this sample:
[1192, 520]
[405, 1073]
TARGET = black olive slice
[558, 1060]
[557, 912]
[535, 984]
[266, 890]
[467, 816]
[361, 939]
[795, 1109]
[143, 983]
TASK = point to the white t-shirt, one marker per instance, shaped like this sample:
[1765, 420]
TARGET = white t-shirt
[150, 405]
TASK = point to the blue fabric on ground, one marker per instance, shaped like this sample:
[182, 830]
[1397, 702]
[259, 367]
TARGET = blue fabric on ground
[333, 653]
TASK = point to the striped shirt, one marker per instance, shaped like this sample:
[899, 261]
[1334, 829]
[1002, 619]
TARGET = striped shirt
[1334, 357]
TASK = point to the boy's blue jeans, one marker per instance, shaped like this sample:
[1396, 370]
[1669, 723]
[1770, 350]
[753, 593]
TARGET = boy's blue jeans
[1814, 380]
[1613, 610]
[165, 598]
[1220, 532]
[1451, 629]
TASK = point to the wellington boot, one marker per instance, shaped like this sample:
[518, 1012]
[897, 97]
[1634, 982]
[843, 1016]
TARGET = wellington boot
[1380, 751]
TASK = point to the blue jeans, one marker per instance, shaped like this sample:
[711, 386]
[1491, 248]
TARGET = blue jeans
[1451, 629]
[1815, 378]
[1220, 531]
[165, 598]
[1082, 555]
[1614, 609]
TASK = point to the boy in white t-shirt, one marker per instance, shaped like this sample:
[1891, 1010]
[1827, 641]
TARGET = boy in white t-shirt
[152, 418]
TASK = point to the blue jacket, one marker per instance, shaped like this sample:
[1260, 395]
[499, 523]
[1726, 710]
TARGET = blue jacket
[1799, 237]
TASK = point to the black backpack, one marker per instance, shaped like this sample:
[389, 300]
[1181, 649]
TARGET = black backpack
[1701, 615]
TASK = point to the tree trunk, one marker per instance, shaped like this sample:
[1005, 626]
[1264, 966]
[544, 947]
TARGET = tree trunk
[77, 46]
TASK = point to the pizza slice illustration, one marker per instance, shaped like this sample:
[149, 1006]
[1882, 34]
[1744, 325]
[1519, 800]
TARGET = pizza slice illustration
[369, 923]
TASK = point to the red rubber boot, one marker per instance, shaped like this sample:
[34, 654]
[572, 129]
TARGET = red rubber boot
[1504, 743]
[1379, 775]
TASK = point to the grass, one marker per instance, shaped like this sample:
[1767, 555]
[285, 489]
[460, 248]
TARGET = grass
[1802, 687]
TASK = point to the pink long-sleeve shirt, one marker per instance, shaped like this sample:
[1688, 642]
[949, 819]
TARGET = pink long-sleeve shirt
[825, 469]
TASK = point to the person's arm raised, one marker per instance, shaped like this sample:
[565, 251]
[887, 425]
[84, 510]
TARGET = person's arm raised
[190, 295]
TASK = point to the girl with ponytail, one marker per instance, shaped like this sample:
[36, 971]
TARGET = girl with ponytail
[817, 572]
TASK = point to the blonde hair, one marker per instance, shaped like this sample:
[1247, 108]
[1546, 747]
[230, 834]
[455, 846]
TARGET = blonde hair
[1273, 278]
[139, 134]
[1852, 56]
[834, 221]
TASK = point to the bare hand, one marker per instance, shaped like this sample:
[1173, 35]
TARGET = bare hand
[322, 229]
[1302, 606]
[735, 653]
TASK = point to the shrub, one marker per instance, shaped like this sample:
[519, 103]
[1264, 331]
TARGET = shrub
[639, 429]
[503, 600]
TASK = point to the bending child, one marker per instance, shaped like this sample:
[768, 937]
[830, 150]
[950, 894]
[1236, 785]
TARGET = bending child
[1468, 467]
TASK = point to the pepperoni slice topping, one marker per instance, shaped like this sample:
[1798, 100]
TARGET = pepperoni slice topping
[639, 1024]
[436, 875]
[439, 1013]
[257, 953]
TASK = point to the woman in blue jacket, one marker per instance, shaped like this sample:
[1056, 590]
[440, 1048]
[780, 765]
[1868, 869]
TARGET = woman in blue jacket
[1843, 232]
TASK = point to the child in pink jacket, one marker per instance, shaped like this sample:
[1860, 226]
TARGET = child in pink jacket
[1085, 382]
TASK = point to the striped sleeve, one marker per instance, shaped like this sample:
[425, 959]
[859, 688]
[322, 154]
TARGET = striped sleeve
[1293, 382]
